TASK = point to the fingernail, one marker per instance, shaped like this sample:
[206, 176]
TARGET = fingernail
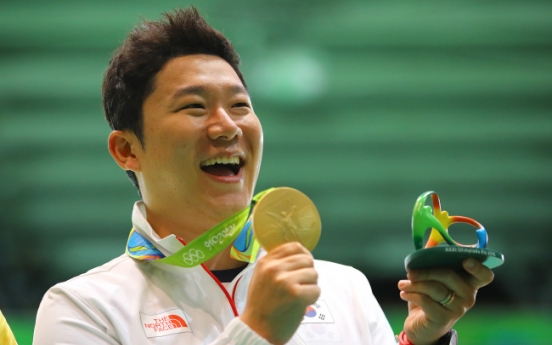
[470, 263]
[402, 284]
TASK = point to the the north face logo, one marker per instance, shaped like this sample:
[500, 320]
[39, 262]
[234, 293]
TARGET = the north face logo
[166, 322]
[169, 322]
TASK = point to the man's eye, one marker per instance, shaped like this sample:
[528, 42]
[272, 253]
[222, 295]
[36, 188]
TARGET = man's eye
[193, 106]
[241, 104]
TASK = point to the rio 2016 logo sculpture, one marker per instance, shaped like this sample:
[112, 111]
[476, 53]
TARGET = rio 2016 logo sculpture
[440, 249]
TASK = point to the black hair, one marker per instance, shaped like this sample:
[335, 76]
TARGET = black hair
[129, 79]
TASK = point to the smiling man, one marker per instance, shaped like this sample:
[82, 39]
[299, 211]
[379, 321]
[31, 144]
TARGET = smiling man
[185, 131]
[200, 153]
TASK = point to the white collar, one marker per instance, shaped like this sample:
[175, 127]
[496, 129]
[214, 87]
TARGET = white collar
[168, 245]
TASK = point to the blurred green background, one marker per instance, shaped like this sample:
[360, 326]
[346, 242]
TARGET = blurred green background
[364, 105]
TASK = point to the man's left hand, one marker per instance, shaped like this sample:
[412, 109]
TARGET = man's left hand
[431, 312]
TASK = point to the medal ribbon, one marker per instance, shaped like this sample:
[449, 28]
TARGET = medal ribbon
[207, 245]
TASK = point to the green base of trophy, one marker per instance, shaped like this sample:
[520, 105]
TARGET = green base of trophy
[447, 256]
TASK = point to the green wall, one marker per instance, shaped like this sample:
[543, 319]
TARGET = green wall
[364, 105]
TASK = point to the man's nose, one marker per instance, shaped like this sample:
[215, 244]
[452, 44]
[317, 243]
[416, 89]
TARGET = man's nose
[222, 126]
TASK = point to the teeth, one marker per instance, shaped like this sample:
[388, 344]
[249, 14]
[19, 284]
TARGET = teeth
[221, 160]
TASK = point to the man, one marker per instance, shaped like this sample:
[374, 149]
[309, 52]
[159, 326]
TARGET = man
[185, 131]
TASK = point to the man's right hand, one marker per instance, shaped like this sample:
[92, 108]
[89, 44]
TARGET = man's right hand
[283, 285]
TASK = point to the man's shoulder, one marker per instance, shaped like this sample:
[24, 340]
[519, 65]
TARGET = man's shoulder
[337, 271]
[107, 276]
[112, 267]
[332, 266]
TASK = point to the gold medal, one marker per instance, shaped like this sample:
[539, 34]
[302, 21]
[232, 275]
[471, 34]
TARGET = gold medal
[286, 215]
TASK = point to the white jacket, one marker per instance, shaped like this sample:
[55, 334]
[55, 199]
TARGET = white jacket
[126, 301]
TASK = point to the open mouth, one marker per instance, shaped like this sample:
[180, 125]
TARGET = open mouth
[222, 166]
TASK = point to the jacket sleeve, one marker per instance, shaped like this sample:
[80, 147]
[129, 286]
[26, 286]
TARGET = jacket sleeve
[238, 333]
[63, 318]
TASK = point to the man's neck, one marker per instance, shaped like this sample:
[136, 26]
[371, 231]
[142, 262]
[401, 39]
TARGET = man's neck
[188, 231]
[184, 222]
[223, 261]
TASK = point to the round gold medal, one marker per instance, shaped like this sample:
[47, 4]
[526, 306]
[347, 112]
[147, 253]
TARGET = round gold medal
[286, 215]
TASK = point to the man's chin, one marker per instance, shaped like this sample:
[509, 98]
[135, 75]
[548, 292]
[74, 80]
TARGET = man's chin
[230, 202]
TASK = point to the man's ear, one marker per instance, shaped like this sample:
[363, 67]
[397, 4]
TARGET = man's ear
[122, 146]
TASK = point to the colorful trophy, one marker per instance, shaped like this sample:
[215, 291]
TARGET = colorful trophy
[440, 249]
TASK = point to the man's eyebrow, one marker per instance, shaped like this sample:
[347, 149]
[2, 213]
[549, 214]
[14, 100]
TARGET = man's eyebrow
[201, 90]
[188, 90]
[239, 89]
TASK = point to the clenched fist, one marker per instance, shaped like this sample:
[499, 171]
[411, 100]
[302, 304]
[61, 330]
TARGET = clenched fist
[283, 285]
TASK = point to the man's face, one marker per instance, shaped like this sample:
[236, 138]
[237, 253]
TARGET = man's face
[202, 139]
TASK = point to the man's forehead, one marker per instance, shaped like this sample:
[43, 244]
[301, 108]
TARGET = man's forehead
[191, 74]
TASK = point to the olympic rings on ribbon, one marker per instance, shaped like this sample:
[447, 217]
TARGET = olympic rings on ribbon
[425, 217]
[192, 256]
